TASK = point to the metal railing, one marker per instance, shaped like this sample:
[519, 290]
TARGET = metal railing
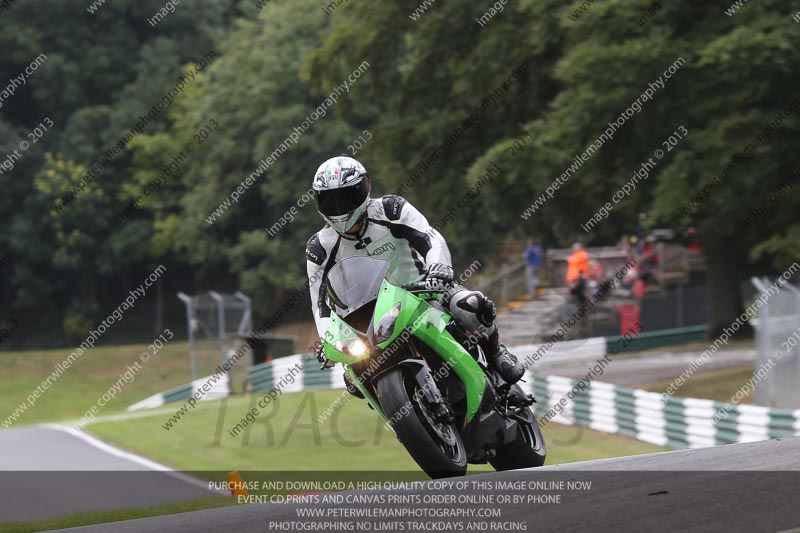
[507, 283]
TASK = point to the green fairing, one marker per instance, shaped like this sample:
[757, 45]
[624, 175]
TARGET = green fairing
[338, 329]
[434, 334]
[424, 322]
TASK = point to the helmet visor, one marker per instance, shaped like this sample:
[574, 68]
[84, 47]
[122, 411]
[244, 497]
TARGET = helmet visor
[337, 202]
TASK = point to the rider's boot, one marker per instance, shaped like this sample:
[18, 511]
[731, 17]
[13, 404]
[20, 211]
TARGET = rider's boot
[511, 370]
[506, 363]
[475, 313]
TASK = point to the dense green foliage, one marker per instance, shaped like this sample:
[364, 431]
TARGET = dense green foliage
[273, 67]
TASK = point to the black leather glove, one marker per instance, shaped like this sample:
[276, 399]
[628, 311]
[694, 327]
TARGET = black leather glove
[438, 277]
[487, 312]
[319, 353]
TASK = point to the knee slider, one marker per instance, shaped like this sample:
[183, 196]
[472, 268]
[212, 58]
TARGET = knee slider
[472, 309]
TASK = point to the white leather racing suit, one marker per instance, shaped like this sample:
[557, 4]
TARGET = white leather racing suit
[395, 230]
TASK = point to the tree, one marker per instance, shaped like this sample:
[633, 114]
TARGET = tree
[738, 75]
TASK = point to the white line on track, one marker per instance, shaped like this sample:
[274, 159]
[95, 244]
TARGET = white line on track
[147, 463]
[144, 413]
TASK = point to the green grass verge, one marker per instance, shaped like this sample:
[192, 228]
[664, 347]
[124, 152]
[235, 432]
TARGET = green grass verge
[83, 383]
[287, 436]
[103, 517]
[717, 385]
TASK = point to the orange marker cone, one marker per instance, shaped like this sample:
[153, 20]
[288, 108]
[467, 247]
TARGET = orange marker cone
[237, 484]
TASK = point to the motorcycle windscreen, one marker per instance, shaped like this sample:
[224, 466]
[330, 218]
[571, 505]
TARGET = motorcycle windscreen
[355, 282]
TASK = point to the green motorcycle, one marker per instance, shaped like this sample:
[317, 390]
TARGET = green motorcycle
[403, 352]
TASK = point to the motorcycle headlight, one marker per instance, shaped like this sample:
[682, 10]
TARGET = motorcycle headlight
[354, 346]
[386, 324]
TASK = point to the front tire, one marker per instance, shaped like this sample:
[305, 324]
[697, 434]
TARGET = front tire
[436, 447]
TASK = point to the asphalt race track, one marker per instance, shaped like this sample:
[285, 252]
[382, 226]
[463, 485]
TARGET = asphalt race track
[741, 487]
[51, 471]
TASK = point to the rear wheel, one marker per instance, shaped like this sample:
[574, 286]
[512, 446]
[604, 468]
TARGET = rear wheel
[527, 450]
[436, 446]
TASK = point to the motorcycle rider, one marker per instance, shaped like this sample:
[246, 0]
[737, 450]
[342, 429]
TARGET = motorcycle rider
[391, 228]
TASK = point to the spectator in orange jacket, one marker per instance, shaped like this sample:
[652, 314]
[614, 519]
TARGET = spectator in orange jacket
[577, 263]
[577, 269]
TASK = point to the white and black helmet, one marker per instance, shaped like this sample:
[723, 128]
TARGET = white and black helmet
[341, 190]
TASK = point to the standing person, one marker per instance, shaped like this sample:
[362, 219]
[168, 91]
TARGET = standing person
[533, 257]
[577, 270]
[625, 247]
[638, 231]
[650, 260]
[595, 276]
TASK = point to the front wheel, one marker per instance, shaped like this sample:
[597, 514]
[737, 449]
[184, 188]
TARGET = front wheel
[435, 446]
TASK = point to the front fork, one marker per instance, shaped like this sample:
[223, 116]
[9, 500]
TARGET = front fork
[430, 391]
[427, 385]
[373, 401]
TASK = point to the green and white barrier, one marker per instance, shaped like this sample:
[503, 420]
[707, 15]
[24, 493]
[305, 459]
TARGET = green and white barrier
[218, 389]
[265, 376]
[293, 373]
[646, 416]
[676, 422]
